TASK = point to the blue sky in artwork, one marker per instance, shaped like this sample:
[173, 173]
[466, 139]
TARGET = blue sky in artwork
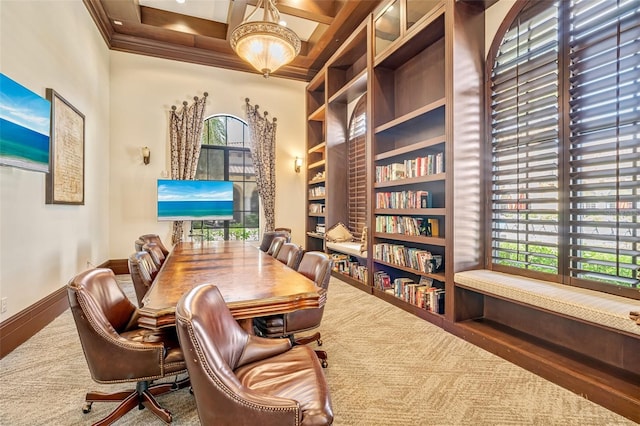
[194, 190]
[23, 107]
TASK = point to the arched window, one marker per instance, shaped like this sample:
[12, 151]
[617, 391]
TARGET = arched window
[357, 168]
[565, 143]
[225, 156]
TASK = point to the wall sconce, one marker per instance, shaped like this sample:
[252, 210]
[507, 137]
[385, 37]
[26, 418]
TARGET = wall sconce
[146, 155]
[297, 164]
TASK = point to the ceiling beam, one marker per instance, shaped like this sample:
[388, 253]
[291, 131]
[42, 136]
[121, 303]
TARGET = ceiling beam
[183, 23]
[122, 10]
[236, 15]
[313, 10]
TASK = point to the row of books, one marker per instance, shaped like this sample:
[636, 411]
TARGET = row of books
[409, 257]
[345, 265]
[406, 225]
[420, 166]
[404, 200]
[422, 294]
[316, 191]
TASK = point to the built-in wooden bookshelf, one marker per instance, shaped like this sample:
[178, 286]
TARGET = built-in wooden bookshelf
[409, 127]
[316, 164]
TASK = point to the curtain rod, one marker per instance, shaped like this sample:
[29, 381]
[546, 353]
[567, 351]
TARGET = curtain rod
[185, 103]
[258, 106]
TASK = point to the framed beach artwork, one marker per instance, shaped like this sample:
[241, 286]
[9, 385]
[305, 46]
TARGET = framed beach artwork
[65, 182]
[25, 119]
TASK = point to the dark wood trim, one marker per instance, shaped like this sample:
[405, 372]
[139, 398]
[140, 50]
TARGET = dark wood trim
[20, 327]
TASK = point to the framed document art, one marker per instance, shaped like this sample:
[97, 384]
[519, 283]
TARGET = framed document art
[65, 181]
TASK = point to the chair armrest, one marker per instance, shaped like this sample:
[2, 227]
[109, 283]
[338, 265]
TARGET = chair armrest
[258, 348]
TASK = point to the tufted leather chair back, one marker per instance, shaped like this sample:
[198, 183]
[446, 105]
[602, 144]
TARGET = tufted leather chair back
[102, 312]
[268, 237]
[214, 345]
[156, 253]
[290, 254]
[143, 271]
[276, 245]
[154, 238]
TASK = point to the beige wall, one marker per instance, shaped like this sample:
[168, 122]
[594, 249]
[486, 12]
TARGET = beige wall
[53, 44]
[143, 89]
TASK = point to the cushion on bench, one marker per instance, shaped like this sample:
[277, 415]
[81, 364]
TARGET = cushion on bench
[593, 306]
[347, 247]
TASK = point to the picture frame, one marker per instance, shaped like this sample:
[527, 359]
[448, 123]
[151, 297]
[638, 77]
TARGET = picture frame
[65, 181]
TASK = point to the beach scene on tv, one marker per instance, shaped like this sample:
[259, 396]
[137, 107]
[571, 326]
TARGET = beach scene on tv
[195, 200]
[25, 121]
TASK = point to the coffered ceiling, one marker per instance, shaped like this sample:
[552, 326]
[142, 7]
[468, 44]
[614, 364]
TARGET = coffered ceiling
[198, 31]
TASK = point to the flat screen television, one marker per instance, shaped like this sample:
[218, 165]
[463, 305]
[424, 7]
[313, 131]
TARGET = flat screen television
[195, 200]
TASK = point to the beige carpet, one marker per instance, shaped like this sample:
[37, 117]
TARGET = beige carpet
[386, 367]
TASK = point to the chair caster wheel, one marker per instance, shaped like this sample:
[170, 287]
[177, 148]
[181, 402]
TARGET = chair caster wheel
[87, 407]
[324, 363]
[191, 390]
[319, 342]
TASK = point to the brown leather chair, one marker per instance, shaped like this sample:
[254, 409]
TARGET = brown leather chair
[316, 266]
[143, 271]
[117, 350]
[152, 238]
[241, 379]
[157, 255]
[290, 254]
[268, 237]
[276, 245]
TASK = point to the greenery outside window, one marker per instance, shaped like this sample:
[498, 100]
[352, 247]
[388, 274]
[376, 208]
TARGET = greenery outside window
[225, 156]
[564, 93]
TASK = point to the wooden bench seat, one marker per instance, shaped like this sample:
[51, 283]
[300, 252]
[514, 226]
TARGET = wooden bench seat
[606, 310]
[580, 339]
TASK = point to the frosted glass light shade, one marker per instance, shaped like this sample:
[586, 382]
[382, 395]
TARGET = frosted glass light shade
[265, 45]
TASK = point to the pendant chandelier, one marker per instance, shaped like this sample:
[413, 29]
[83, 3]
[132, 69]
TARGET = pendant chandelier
[265, 44]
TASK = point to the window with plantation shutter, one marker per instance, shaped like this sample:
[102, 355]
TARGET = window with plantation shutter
[525, 143]
[565, 138]
[356, 164]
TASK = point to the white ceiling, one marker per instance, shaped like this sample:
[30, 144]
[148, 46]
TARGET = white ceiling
[218, 10]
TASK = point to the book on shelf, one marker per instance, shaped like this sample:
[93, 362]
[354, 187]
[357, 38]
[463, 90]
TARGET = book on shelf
[415, 167]
[434, 227]
[404, 200]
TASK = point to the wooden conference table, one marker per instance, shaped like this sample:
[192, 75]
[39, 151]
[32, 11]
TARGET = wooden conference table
[252, 282]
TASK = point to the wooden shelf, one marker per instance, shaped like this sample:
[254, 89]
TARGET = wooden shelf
[411, 115]
[410, 181]
[438, 276]
[318, 114]
[315, 235]
[316, 181]
[317, 198]
[316, 215]
[440, 140]
[418, 239]
[317, 148]
[411, 212]
[317, 164]
[350, 280]
[352, 90]
[432, 317]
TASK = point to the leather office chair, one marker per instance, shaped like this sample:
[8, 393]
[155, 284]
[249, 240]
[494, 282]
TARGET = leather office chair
[268, 237]
[290, 254]
[143, 271]
[241, 379]
[157, 255]
[154, 238]
[117, 350]
[276, 245]
[316, 266]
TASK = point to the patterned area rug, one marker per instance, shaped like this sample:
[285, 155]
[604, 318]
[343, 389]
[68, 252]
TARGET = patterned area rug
[386, 367]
